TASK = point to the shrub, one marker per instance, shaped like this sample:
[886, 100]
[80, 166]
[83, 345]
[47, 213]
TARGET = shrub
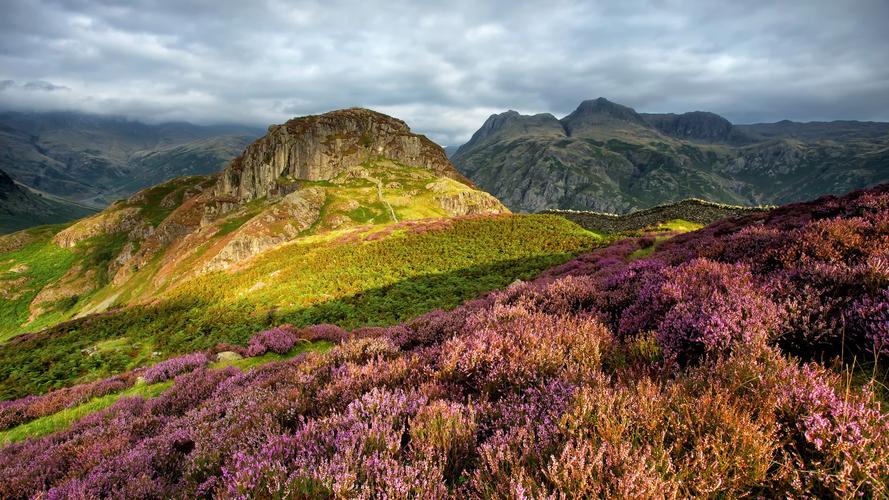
[168, 369]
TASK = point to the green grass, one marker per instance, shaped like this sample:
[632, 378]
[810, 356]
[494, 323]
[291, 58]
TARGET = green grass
[63, 419]
[674, 226]
[246, 364]
[47, 263]
[315, 280]
[679, 225]
[152, 211]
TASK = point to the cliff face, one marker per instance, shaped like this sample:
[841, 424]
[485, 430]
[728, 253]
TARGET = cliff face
[320, 147]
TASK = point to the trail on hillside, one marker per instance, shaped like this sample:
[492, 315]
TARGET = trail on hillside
[379, 184]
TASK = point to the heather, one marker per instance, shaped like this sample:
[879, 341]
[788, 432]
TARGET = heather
[374, 277]
[711, 368]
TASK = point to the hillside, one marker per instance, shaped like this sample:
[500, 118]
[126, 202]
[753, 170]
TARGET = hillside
[345, 217]
[724, 364]
[21, 207]
[606, 157]
[95, 159]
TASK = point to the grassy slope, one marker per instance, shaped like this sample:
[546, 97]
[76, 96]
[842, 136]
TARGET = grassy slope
[400, 273]
[63, 419]
[24, 272]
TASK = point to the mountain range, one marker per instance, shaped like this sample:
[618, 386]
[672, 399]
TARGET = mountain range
[607, 157]
[95, 159]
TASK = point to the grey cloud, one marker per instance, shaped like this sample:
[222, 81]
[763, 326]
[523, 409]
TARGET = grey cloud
[43, 86]
[444, 66]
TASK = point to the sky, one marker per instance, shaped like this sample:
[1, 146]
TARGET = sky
[444, 67]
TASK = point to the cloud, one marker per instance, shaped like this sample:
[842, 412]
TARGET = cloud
[42, 86]
[444, 66]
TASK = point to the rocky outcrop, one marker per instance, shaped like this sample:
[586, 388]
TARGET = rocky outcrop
[464, 201]
[115, 220]
[600, 112]
[282, 222]
[320, 147]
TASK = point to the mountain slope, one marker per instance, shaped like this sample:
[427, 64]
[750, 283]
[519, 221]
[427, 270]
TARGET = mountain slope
[606, 157]
[96, 159]
[21, 207]
[345, 174]
[725, 363]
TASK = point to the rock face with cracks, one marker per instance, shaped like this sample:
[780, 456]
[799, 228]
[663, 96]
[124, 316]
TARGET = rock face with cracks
[320, 147]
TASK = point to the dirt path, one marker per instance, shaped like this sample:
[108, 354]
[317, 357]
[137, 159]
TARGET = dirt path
[379, 184]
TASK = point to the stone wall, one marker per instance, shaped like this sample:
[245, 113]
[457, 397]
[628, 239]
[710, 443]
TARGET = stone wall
[692, 210]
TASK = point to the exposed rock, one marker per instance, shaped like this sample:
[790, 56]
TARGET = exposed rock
[283, 222]
[696, 125]
[322, 146]
[106, 222]
[229, 356]
[470, 203]
[12, 289]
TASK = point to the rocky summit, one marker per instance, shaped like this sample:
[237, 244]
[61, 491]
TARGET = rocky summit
[607, 157]
[323, 146]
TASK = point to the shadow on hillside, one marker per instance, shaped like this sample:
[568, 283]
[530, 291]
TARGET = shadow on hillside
[79, 350]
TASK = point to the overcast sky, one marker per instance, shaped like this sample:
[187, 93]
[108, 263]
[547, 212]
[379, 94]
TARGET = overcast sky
[445, 66]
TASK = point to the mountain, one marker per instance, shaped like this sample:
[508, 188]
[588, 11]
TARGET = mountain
[607, 157]
[95, 159]
[316, 178]
[21, 207]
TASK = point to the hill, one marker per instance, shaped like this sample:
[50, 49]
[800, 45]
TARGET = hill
[345, 217]
[607, 157]
[96, 159]
[21, 207]
[722, 364]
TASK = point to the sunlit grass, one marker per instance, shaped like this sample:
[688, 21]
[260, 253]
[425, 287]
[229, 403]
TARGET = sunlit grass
[63, 419]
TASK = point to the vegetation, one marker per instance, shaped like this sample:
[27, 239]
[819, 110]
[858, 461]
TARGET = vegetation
[697, 371]
[377, 277]
[27, 271]
[63, 419]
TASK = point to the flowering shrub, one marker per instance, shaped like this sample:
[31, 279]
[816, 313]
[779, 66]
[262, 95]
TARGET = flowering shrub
[165, 370]
[692, 372]
[278, 340]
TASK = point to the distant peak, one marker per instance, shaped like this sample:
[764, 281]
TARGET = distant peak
[602, 105]
[596, 112]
